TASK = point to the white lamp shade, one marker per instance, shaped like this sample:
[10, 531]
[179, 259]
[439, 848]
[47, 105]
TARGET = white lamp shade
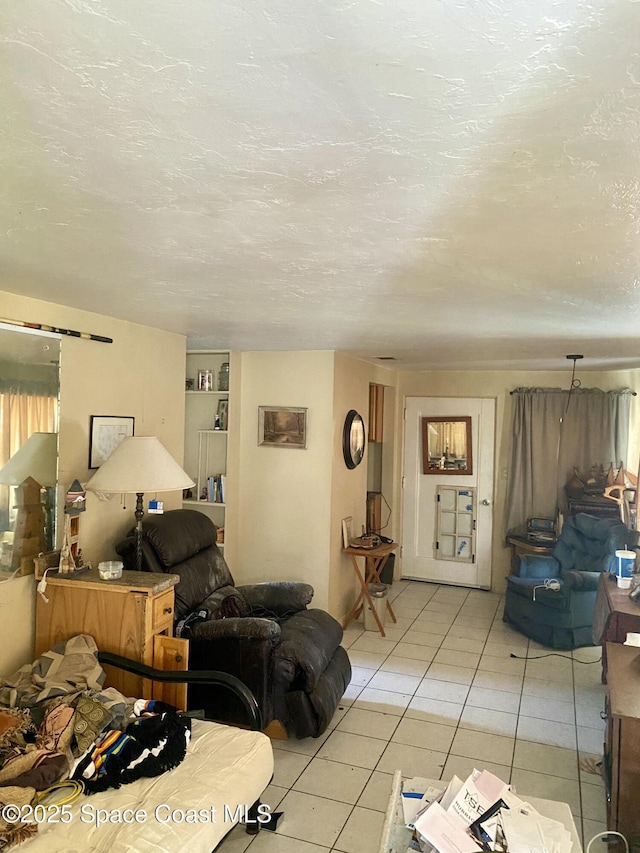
[139, 464]
[37, 458]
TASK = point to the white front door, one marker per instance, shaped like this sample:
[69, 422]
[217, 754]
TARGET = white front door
[423, 555]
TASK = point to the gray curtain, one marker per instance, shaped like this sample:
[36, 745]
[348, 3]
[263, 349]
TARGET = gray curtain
[554, 431]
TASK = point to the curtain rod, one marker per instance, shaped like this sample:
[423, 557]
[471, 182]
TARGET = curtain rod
[573, 390]
[86, 336]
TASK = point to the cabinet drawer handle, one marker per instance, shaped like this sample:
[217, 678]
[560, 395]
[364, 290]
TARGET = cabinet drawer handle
[168, 610]
[178, 658]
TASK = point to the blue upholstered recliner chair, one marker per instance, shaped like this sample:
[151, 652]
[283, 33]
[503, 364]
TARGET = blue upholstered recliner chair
[562, 617]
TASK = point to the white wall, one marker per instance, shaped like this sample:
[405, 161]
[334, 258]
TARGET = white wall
[291, 502]
[349, 486]
[140, 374]
[284, 494]
[353, 378]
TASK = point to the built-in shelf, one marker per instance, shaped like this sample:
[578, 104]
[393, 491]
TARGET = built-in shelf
[205, 448]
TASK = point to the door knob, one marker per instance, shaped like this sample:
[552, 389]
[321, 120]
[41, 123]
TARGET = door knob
[486, 502]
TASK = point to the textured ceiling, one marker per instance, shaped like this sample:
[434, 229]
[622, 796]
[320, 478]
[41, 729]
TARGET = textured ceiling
[455, 184]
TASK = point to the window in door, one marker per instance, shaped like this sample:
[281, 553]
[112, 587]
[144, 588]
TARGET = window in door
[456, 523]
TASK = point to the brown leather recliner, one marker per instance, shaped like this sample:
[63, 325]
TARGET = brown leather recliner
[288, 655]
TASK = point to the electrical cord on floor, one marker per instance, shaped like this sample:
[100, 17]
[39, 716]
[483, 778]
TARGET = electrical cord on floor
[604, 835]
[554, 655]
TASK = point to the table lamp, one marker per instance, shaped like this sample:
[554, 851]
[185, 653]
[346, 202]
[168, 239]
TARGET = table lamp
[139, 464]
[33, 468]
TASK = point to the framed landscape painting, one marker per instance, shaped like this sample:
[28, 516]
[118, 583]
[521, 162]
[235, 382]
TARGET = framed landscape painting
[282, 426]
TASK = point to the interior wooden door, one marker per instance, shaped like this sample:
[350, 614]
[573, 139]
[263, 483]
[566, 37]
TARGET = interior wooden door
[423, 558]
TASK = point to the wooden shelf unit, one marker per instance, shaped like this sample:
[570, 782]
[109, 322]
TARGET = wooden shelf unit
[206, 449]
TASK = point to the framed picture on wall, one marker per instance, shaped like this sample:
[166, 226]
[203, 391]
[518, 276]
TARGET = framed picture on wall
[282, 426]
[105, 434]
[223, 413]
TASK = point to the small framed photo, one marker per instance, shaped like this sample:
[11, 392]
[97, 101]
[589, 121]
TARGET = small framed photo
[347, 531]
[282, 426]
[105, 434]
[223, 413]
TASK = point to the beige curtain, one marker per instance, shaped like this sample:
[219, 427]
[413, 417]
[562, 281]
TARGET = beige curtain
[553, 431]
[449, 437]
[21, 415]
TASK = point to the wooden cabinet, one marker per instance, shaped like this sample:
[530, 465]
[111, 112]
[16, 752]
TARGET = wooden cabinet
[615, 616]
[374, 512]
[376, 412]
[622, 742]
[206, 440]
[123, 616]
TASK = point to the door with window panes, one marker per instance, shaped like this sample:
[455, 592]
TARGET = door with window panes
[447, 517]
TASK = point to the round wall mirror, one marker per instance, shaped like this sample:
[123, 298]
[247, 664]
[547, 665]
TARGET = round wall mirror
[353, 439]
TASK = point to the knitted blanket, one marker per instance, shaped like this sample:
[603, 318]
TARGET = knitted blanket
[152, 744]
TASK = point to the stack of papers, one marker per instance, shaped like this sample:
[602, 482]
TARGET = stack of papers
[481, 813]
[526, 831]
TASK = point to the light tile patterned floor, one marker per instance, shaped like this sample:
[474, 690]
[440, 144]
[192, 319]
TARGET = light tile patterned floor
[439, 696]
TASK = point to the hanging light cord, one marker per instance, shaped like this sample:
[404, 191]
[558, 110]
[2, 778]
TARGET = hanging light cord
[575, 383]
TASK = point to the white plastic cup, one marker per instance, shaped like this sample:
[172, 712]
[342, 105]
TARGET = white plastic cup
[110, 570]
[623, 583]
[626, 562]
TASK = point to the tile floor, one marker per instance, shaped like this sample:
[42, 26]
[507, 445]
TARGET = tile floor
[438, 696]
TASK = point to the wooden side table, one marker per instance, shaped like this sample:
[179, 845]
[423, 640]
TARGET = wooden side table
[131, 616]
[521, 545]
[374, 561]
[615, 616]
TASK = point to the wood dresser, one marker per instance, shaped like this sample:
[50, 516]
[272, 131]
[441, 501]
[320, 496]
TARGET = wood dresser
[622, 742]
[614, 617]
[131, 616]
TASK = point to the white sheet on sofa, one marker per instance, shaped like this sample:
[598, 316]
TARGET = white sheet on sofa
[224, 767]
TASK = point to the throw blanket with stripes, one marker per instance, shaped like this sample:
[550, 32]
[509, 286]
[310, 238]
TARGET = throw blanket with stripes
[152, 744]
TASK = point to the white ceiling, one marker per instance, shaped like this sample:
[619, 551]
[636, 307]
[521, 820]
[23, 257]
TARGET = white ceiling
[454, 183]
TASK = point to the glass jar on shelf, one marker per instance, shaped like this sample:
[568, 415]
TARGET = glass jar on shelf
[205, 380]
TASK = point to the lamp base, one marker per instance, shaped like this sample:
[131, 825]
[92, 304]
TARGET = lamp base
[139, 515]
